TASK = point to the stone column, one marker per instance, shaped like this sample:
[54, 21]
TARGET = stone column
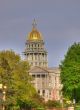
[33, 57]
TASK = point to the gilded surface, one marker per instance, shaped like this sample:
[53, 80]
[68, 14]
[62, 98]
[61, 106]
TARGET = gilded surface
[34, 35]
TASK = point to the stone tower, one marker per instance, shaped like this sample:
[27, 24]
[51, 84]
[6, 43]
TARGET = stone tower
[35, 51]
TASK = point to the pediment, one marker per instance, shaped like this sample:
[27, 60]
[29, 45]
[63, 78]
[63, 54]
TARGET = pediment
[37, 69]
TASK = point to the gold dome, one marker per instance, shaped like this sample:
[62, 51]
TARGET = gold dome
[34, 35]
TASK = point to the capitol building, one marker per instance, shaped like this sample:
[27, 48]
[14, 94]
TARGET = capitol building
[46, 80]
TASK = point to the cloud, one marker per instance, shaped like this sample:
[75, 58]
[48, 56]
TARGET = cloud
[58, 20]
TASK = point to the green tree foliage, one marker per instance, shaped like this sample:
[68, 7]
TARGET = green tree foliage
[53, 104]
[14, 74]
[38, 100]
[70, 73]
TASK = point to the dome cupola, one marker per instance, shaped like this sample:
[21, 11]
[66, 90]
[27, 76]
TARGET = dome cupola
[34, 35]
[35, 51]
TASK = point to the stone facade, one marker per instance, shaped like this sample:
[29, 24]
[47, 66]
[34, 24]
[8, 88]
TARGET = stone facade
[35, 51]
[46, 82]
[46, 79]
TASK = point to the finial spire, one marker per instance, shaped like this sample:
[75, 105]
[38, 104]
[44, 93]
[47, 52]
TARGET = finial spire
[34, 24]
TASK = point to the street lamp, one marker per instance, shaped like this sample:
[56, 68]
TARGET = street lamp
[3, 89]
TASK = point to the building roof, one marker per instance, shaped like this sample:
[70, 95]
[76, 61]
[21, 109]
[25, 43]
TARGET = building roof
[37, 69]
[54, 69]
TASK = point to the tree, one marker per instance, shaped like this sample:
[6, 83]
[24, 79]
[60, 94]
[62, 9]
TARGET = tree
[14, 74]
[53, 104]
[70, 73]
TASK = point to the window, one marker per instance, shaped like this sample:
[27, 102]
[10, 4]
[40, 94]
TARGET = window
[39, 64]
[35, 63]
[38, 45]
[49, 92]
[33, 75]
[43, 75]
[31, 64]
[38, 91]
[43, 92]
[38, 75]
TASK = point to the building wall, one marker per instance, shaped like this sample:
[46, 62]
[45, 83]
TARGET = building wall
[47, 84]
[46, 80]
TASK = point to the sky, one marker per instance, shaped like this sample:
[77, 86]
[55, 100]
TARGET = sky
[57, 20]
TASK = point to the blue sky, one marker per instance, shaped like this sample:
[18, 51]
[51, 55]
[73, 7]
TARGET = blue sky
[57, 20]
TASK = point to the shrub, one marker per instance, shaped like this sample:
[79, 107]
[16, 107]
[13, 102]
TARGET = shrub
[52, 104]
